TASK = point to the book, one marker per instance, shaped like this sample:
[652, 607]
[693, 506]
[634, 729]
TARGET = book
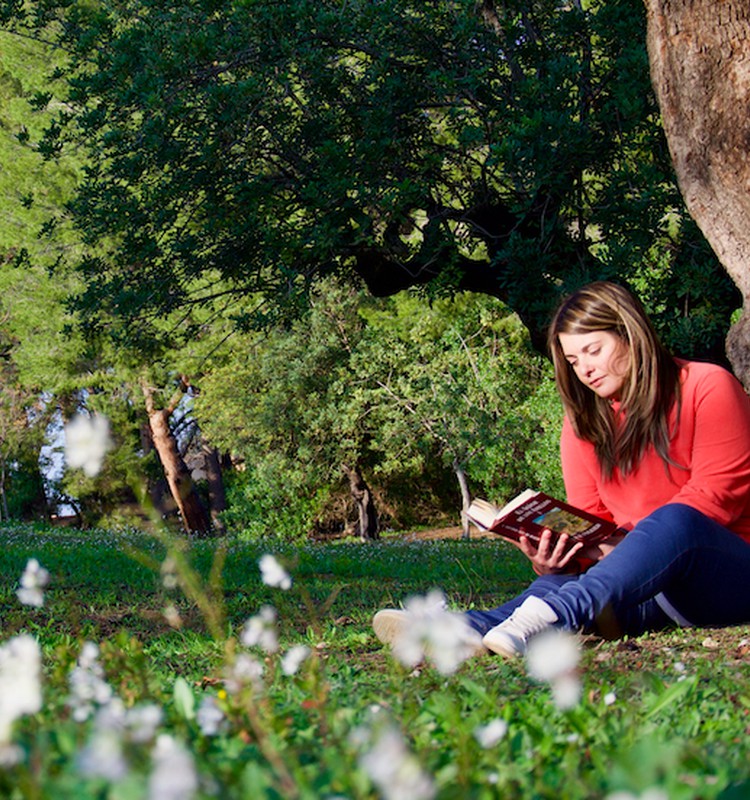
[530, 512]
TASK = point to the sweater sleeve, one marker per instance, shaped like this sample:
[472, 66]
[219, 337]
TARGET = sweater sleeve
[719, 458]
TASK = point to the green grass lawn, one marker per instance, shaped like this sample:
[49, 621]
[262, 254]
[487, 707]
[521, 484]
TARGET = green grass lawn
[668, 712]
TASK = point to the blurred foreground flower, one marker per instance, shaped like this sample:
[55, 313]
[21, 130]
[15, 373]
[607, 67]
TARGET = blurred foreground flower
[272, 573]
[209, 716]
[393, 769]
[293, 659]
[490, 734]
[433, 632]
[34, 579]
[88, 688]
[174, 776]
[260, 630]
[20, 687]
[87, 441]
[552, 657]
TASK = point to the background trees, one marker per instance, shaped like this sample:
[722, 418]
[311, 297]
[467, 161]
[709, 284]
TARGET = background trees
[248, 148]
[233, 157]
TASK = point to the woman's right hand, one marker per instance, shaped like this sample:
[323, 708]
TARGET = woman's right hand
[554, 554]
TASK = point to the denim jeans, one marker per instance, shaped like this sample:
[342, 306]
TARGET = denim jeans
[676, 565]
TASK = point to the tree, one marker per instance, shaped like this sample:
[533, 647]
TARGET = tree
[240, 148]
[701, 72]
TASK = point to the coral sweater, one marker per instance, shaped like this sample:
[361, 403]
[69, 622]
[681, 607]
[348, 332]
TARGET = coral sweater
[712, 443]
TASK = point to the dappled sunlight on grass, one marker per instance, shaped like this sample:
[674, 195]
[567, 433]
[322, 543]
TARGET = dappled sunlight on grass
[299, 718]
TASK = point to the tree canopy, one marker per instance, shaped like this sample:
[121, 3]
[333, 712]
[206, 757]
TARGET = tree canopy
[241, 148]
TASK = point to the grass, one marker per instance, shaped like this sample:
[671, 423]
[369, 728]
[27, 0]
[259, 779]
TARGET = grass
[668, 710]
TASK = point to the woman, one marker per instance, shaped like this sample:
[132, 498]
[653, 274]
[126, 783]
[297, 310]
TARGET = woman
[661, 447]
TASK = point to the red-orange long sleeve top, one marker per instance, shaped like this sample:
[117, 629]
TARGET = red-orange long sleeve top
[711, 445]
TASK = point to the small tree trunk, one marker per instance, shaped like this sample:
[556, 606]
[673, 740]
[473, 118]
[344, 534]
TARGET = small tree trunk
[217, 497]
[465, 498]
[362, 496]
[192, 512]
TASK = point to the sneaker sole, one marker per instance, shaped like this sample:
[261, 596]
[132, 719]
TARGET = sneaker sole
[501, 644]
[388, 624]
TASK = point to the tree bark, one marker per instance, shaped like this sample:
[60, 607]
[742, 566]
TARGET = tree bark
[217, 497]
[189, 504]
[465, 498]
[362, 496]
[699, 51]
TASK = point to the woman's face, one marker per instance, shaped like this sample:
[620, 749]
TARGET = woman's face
[600, 360]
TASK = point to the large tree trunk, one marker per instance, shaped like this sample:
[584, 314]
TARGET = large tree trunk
[700, 68]
[192, 511]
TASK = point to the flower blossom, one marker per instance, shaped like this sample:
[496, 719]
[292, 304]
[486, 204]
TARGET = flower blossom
[490, 734]
[88, 688]
[87, 441]
[174, 776]
[35, 577]
[272, 573]
[209, 716]
[20, 687]
[260, 630]
[552, 657]
[293, 659]
[394, 770]
[245, 671]
[433, 632]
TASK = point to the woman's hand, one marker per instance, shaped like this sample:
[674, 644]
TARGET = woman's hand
[553, 554]
[596, 552]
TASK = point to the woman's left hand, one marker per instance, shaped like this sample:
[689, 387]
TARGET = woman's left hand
[553, 554]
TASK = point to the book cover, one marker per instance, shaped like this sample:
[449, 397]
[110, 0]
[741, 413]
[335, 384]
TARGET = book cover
[531, 512]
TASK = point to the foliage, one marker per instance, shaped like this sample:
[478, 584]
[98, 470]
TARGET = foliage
[256, 147]
[662, 713]
[409, 392]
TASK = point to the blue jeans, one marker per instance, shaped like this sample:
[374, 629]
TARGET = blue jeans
[676, 565]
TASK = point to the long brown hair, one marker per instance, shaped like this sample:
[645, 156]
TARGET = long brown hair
[650, 388]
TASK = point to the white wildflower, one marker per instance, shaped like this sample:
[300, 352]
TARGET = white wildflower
[293, 659]
[35, 577]
[103, 756]
[260, 630]
[245, 671]
[610, 699]
[170, 578]
[142, 722]
[552, 654]
[490, 734]
[394, 770]
[174, 776]
[88, 688]
[433, 632]
[566, 691]
[87, 441]
[209, 716]
[553, 657]
[20, 685]
[273, 574]
[652, 793]
[172, 616]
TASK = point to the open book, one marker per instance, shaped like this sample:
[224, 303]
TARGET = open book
[531, 511]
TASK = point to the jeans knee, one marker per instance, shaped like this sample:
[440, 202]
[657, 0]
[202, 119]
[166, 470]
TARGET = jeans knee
[677, 519]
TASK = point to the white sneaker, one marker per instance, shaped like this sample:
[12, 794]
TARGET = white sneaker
[510, 638]
[388, 624]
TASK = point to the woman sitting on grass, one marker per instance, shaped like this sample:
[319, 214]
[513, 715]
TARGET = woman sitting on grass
[661, 447]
